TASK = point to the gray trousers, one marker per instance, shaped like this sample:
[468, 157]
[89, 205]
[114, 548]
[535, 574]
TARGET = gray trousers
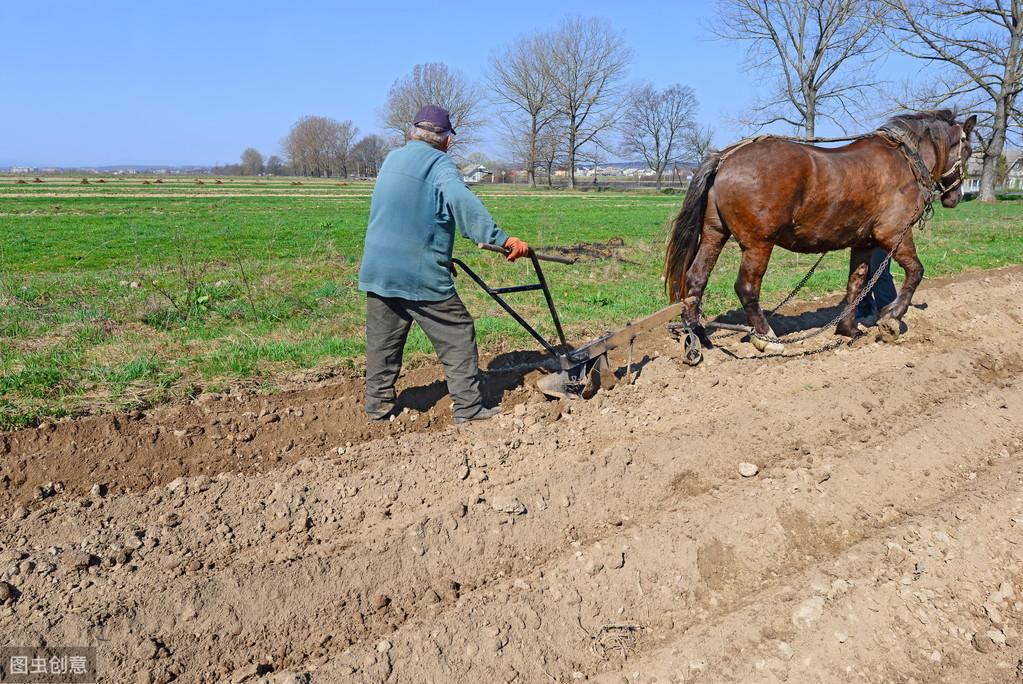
[453, 334]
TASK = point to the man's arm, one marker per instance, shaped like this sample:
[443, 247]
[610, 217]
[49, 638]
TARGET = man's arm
[472, 218]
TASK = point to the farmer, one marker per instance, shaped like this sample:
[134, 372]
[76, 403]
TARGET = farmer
[883, 293]
[418, 202]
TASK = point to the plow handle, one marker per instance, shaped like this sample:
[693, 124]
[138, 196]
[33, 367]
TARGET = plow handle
[541, 257]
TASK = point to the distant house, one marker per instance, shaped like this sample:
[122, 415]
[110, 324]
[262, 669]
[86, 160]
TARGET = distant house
[1014, 179]
[1014, 176]
[476, 174]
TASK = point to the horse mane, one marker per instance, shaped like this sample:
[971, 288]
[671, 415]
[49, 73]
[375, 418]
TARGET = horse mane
[930, 122]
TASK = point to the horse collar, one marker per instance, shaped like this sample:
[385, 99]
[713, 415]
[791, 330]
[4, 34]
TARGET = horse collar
[920, 170]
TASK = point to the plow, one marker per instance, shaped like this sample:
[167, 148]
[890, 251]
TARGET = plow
[582, 371]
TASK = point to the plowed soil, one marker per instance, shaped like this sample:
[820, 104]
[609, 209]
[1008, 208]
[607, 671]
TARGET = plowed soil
[280, 538]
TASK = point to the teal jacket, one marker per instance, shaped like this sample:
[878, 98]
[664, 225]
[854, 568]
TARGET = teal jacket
[418, 201]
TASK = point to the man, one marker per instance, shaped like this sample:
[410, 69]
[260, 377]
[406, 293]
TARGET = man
[418, 202]
[883, 294]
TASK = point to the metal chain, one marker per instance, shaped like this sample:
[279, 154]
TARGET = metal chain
[802, 283]
[851, 306]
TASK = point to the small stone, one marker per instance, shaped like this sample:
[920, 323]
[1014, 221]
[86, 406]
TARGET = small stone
[520, 410]
[148, 650]
[19, 513]
[748, 469]
[383, 646]
[593, 568]
[617, 561]
[99, 489]
[842, 637]
[431, 597]
[983, 643]
[508, 504]
[809, 611]
[993, 614]
[7, 593]
[78, 560]
[45, 491]
[935, 656]
[380, 601]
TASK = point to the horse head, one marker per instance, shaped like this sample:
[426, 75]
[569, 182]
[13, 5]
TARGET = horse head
[953, 171]
[941, 146]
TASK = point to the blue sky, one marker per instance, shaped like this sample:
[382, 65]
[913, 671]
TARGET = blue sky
[197, 82]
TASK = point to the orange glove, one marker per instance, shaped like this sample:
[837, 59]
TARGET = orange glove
[516, 248]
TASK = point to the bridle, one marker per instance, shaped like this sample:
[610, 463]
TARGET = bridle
[957, 166]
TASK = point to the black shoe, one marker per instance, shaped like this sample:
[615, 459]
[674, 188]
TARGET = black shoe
[385, 418]
[482, 414]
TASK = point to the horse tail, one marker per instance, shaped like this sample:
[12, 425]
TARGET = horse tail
[687, 228]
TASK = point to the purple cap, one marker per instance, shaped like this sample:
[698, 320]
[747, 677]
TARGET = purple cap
[438, 116]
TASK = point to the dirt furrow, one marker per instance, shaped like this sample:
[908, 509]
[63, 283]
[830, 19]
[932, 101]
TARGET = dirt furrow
[713, 554]
[561, 538]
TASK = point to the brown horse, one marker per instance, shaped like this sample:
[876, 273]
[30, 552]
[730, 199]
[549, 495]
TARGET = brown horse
[773, 191]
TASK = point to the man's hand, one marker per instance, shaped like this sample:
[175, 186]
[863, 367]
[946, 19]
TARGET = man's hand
[516, 248]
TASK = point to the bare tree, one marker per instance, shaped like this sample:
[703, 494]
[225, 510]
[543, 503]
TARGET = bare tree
[252, 162]
[586, 60]
[978, 47]
[550, 151]
[523, 88]
[275, 165]
[819, 52]
[434, 83]
[698, 142]
[368, 154]
[655, 124]
[319, 146]
[343, 140]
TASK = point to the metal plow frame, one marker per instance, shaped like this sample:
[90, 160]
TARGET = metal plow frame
[586, 369]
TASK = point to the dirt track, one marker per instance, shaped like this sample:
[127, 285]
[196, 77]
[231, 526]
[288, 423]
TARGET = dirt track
[612, 540]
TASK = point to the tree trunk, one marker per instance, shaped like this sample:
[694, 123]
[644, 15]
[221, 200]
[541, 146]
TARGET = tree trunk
[531, 162]
[660, 173]
[571, 155]
[994, 150]
[810, 123]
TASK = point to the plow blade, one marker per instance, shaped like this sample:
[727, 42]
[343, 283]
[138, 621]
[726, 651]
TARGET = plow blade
[583, 380]
[586, 369]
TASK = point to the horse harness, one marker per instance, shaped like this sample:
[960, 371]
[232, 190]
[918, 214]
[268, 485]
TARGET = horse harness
[898, 138]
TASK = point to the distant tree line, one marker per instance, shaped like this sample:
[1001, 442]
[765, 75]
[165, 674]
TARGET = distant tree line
[561, 97]
[316, 146]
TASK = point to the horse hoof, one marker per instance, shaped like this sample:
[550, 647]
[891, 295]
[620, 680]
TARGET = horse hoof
[767, 347]
[890, 329]
[847, 331]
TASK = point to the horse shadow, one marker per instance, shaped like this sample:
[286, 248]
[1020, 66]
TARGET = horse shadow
[787, 324]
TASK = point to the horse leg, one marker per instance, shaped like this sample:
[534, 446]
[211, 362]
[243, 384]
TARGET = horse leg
[711, 243]
[747, 286]
[859, 266]
[906, 256]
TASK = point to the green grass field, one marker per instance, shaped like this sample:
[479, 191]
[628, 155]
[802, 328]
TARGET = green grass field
[122, 293]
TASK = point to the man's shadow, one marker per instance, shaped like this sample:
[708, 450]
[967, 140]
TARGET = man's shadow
[500, 375]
